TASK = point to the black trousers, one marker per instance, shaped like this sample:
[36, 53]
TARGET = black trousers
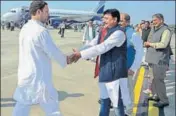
[12, 28]
[62, 32]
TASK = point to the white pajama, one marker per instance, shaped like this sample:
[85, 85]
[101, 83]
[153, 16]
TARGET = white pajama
[111, 90]
[35, 86]
[51, 108]
[125, 91]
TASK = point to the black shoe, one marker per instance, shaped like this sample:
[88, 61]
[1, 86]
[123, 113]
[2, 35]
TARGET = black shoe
[154, 98]
[99, 101]
[160, 104]
[111, 107]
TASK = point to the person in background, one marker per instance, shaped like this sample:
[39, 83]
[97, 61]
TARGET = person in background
[99, 27]
[157, 57]
[172, 45]
[62, 29]
[142, 24]
[89, 32]
[79, 27]
[138, 29]
[8, 25]
[146, 35]
[142, 21]
[134, 40]
[146, 31]
[75, 28]
[3, 25]
[12, 26]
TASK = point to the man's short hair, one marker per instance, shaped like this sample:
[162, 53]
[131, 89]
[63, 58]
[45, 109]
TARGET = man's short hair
[91, 20]
[127, 17]
[114, 13]
[35, 5]
[147, 22]
[159, 16]
[142, 21]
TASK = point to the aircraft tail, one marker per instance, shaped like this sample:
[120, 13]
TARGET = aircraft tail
[100, 8]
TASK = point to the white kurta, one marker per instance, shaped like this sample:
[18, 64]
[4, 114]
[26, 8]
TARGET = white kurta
[138, 46]
[111, 89]
[88, 34]
[114, 40]
[34, 71]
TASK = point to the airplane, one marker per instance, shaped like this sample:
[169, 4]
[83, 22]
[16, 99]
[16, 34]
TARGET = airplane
[18, 15]
[75, 16]
[21, 15]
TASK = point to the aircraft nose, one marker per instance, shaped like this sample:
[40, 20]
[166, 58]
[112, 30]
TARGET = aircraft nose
[7, 16]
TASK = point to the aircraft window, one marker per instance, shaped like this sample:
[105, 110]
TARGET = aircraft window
[26, 10]
[22, 10]
[13, 11]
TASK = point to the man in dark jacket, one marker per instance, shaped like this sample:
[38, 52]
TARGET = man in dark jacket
[111, 66]
[146, 31]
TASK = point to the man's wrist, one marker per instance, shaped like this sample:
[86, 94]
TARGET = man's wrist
[79, 54]
[152, 45]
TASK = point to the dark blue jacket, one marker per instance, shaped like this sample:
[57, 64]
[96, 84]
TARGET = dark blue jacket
[113, 63]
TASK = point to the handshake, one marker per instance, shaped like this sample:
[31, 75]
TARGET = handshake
[74, 57]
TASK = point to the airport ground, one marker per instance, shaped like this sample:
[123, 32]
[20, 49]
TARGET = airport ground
[78, 90]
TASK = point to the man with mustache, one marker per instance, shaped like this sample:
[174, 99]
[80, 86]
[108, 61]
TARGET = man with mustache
[111, 65]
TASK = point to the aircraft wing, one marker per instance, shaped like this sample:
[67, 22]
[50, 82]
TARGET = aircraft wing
[67, 17]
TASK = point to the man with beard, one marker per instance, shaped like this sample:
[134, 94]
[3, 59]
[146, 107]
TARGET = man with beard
[34, 71]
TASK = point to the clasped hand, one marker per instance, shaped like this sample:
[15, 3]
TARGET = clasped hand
[74, 57]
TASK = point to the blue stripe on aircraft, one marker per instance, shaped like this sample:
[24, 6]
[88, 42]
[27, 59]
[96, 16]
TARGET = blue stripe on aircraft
[101, 10]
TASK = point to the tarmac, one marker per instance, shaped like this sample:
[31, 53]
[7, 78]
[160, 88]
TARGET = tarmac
[78, 90]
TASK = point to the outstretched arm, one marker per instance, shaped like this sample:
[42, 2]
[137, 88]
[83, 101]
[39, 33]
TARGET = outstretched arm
[115, 40]
[51, 49]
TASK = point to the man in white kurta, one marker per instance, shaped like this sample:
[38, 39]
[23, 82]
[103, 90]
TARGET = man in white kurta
[108, 90]
[89, 32]
[111, 89]
[116, 39]
[36, 49]
[137, 43]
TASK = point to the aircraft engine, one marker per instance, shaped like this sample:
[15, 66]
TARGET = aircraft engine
[54, 22]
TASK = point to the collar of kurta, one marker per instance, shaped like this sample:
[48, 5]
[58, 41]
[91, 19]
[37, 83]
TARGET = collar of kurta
[37, 21]
[157, 28]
